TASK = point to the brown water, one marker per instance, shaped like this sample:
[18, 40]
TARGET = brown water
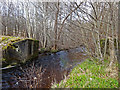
[54, 67]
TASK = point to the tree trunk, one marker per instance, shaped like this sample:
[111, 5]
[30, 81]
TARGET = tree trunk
[119, 42]
[55, 27]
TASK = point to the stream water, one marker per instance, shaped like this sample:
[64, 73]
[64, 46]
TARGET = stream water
[45, 70]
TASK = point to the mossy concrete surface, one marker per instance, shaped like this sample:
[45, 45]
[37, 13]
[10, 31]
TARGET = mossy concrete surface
[16, 50]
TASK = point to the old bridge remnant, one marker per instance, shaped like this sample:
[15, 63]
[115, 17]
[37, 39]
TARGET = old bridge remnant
[16, 50]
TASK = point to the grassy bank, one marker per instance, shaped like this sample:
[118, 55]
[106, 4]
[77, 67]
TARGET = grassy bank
[91, 74]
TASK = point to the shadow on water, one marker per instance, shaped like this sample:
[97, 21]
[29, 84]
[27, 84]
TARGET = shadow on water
[54, 67]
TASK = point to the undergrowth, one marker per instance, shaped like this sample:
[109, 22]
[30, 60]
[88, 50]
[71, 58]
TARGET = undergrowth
[91, 74]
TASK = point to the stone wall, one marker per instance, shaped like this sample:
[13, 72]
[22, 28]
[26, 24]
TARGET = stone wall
[20, 52]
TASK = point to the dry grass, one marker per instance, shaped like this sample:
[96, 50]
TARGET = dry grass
[31, 78]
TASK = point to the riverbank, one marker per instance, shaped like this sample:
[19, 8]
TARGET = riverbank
[91, 74]
[53, 68]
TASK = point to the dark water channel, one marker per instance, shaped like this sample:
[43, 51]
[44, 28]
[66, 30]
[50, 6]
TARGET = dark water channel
[42, 72]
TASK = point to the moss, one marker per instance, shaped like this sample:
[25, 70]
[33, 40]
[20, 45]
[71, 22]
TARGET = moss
[4, 47]
[3, 59]
[14, 40]
[8, 41]
[5, 38]
[54, 51]
[14, 63]
[42, 50]
[8, 66]
[8, 46]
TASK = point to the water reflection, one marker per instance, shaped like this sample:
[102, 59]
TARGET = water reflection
[54, 66]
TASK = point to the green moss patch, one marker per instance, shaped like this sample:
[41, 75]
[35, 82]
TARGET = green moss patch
[7, 41]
